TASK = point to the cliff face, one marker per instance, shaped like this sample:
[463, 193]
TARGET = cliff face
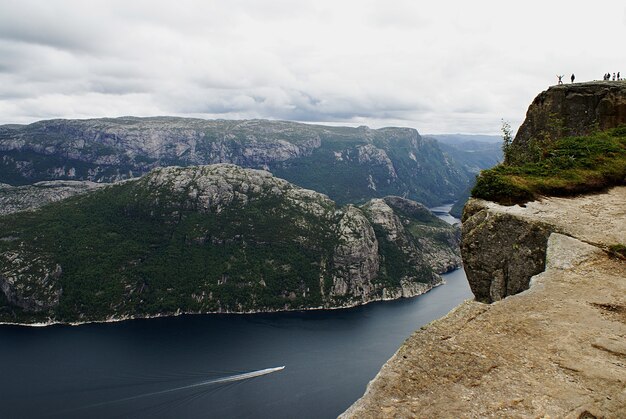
[551, 341]
[554, 350]
[503, 247]
[501, 252]
[348, 164]
[214, 238]
[573, 110]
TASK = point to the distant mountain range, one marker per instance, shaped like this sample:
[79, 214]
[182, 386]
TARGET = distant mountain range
[347, 164]
[459, 139]
[473, 152]
[193, 228]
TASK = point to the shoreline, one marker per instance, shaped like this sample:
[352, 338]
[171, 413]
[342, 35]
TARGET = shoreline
[242, 313]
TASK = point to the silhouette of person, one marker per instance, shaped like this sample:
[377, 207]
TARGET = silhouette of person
[613, 76]
[573, 77]
[560, 78]
[618, 77]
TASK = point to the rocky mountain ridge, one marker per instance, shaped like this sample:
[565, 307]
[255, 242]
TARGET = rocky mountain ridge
[348, 164]
[19, 198]
[216, 238]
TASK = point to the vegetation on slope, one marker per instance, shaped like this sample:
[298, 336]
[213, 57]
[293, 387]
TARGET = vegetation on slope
[207, 239]
[566, 166]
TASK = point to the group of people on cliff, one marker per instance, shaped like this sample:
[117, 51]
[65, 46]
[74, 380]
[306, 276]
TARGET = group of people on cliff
[560, 77]
[607, 77]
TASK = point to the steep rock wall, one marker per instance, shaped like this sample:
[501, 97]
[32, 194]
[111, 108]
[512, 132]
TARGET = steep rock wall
[503, 247]
[573, 110]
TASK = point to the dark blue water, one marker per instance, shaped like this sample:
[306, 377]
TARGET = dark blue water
[110, 370]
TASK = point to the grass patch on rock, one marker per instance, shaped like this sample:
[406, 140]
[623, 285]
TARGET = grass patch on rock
[568, 166]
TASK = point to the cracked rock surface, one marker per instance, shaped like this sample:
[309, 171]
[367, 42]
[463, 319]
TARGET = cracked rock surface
[557, 349]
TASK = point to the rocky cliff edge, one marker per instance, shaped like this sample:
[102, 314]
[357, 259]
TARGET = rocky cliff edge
[555, 349]
[573, 110]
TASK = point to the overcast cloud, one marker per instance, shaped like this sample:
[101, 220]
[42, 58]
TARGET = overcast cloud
[453, 66]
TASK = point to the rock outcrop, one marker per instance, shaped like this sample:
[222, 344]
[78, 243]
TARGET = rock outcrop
[573, 110]
[30, 281]
[348, 164]
[216, 238]
[20, 198]
[551, 341]
[501, 252]
[503, 247]
[356, 260]
[554, 350]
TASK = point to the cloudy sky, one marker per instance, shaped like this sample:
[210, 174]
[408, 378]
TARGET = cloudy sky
[440, 67]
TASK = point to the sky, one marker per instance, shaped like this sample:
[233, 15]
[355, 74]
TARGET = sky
[440, 67]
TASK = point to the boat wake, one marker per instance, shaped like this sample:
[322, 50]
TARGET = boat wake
[221, 380]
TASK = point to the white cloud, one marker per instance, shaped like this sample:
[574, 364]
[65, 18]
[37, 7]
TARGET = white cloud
[449, 67]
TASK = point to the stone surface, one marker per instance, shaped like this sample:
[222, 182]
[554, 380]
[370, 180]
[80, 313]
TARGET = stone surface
[504, 246]
[20, 198]
[594, 218]
[30, 281]
[356, 260]
[501, 252]
[555, 350]
[573, 110]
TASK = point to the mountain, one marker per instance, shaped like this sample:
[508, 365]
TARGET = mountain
[216, 238]
[472, 153]
[474, 157]
[348, 164]
[18, 198]
[460, 139]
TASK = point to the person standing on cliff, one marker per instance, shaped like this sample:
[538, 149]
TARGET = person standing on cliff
[573, 77]
[618, 77]
[560, 78]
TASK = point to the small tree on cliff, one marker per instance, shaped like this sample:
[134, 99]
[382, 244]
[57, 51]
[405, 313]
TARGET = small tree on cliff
[507, 140]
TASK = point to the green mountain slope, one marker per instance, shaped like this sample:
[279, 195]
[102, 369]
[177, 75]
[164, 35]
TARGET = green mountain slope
[214, 238]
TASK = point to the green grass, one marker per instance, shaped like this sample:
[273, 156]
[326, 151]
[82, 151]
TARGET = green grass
[569, 166]
[618, 251]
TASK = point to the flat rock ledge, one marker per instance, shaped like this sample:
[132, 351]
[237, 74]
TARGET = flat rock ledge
[556, 350]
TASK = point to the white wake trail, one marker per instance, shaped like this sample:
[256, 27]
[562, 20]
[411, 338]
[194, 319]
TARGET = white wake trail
[229, 379]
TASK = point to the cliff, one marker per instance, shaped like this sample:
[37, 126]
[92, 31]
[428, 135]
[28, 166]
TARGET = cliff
[348, 164]
[576, 109]
[556, 349]
[551, 340]
[216, 238]
[573, 141]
